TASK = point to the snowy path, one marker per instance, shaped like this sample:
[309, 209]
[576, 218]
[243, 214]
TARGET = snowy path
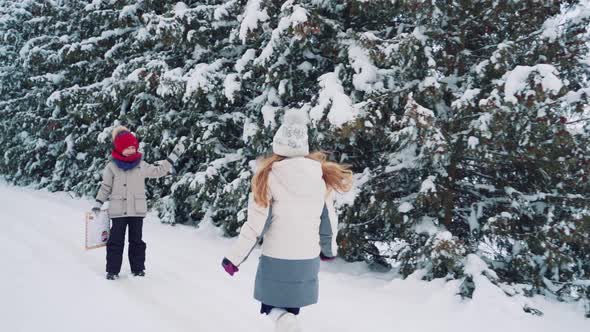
[49, 282]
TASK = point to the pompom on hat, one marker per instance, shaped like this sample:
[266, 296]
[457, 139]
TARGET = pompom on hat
[290, 140]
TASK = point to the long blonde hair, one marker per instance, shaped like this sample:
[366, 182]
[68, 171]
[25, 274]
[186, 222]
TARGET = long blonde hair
[337, 177]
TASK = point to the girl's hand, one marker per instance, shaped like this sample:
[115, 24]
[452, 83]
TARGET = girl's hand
[229, 267]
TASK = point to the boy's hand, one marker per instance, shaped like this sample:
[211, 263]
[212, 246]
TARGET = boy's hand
[96, 207]
[176, 152]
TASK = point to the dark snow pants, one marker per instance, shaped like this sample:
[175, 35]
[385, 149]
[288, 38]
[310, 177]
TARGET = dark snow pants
[116, 244]
[265, 309]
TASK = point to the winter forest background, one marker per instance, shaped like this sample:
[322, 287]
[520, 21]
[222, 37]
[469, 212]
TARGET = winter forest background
[466, 122]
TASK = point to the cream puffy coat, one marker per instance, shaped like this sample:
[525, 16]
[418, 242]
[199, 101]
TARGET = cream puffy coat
[126, 189]
[291, 225]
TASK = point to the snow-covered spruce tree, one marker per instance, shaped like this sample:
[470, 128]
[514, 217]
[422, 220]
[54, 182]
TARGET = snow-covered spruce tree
[283, 46]
[151, 65]
[51, 110]
[24, 87]
[483, 166]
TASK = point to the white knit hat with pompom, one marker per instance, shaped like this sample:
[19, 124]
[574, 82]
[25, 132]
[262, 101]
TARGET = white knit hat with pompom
[291, 138]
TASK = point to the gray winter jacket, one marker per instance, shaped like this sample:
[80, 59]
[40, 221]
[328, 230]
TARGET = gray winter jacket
[126, 189]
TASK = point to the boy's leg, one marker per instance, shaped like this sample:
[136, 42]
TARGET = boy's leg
[136, 245]
[115, 245]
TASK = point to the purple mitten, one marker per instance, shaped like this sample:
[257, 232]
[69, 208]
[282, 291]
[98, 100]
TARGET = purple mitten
[326, 258]
[229, 267]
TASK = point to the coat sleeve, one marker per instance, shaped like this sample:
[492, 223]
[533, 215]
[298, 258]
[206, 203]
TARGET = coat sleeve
[106, 187]
[157, 170]
[258, 221]
[329, 228]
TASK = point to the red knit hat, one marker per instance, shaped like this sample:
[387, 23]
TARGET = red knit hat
[122, 139]
[125, 139]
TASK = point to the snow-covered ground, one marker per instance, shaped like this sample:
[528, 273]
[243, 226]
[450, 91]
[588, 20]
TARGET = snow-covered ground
[48, 282]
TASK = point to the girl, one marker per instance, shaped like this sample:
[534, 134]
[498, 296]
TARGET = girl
[292, 207]
[123, 184]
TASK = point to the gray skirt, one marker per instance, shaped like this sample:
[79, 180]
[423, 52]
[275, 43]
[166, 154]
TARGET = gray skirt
[286, 283]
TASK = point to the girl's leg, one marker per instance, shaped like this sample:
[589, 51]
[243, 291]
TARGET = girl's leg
[266, 309]
[294, 311]
[136, 245]
[115, 245]
[276, 313]
[285, 319]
